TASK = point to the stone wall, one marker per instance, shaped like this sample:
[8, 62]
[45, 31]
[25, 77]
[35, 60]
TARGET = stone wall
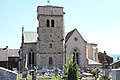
[6, 74]
[50, 38]
[43, 60]
[115, 74]
[26, 50]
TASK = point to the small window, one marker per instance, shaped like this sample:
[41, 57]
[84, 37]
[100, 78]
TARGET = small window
[75, 38]
[52, 41]
[50, 45]
[47, 23]
[75, 50]
[39, 24]
[52, 23]
[50, 61]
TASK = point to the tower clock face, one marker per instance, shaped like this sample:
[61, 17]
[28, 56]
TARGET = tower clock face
[52, 10]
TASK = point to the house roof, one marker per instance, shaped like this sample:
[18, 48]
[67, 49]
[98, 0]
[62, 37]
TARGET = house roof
[70, 34]
[13, 53]
[5, 53]
[30, 37]
[109, 59]
[115, 62]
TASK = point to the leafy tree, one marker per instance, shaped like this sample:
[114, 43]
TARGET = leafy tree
[102, 78]
[93, 71]
[71, 70]
[65, 68]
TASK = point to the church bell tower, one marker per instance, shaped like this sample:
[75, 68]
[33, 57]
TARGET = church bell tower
[50, 39]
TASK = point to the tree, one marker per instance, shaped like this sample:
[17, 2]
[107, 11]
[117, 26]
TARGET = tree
[71, 70]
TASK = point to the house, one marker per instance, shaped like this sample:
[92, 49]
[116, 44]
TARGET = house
[92, 55]
[13, 59]
[115, 64]
[4, 57]
[104, 57]
[92, 51]
[9, 58]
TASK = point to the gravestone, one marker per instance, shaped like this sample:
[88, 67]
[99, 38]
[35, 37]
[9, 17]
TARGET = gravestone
[106, 73]
[24, 75]
[6, 74]
[115, 74]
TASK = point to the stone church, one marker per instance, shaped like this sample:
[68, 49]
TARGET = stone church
[46, 47]
[49, 46]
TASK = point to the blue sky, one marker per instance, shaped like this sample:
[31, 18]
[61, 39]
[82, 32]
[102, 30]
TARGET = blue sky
[97, 20]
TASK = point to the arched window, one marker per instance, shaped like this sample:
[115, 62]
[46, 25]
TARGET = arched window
[47, 23]
[50, 61]
[76, 56]
[73, 57]
[31, 57]
[52, 23]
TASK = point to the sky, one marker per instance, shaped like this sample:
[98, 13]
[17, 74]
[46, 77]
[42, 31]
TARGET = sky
[97, 20]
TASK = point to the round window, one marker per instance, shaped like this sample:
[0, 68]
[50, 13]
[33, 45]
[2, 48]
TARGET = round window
[75, 38]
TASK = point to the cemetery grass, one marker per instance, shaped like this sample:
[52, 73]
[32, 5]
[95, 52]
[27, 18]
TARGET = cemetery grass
[53, 78]
[29, 77]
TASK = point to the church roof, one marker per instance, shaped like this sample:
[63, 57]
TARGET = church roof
[70, 34]
[30, 37]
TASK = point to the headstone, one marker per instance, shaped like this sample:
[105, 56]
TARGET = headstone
[24, 75]
[6, 74]
[115, 74]
[56, 72]
[106, 73]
